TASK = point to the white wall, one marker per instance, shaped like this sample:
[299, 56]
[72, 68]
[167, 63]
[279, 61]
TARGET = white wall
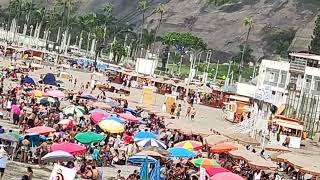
[146, 66]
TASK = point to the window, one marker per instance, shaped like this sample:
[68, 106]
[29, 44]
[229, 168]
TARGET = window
[273, 93]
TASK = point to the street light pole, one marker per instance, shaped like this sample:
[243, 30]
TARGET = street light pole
[180, 64]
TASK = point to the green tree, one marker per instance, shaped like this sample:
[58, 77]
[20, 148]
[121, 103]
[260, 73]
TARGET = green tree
[248, 22]
[118, 51]
[315, 42]
[185, 39]
[278, 42]
[218, 2]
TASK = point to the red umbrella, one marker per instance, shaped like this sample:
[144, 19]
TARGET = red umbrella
[71, 148]
[43, 130]
[128, 117]
[226, 176]
[216, 170]
[96, 117]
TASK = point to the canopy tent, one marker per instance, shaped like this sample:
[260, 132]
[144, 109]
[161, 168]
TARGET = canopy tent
[49, 79]
[214, 139]
[28, 80]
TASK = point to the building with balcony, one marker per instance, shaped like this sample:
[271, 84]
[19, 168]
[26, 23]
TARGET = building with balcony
[294, 83]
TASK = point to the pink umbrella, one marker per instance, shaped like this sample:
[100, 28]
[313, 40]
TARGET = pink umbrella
[128, 117]
[43, 130]
[71, 148]
[96, 117]
[56, 94]
[216, 170]
[226, 176]
[15, 109]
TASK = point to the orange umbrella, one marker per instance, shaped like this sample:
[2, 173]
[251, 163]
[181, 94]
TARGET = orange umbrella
[223, 148]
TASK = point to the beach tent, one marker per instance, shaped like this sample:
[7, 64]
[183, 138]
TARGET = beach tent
[28, 80]
[49, 79]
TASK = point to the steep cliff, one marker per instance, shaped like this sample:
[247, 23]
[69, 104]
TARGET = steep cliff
[222, 27]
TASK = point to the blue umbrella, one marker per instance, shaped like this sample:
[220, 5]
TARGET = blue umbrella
[49, 79]
[145, 134]
[179, 152]
[28, 80]
[150, 142]
[99, 111]
[130, 110]
[138, 160]
[144, 170]
[155, 173]
[114, 118]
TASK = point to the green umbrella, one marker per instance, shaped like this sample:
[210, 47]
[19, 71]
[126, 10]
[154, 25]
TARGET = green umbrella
[89, 137]
[16, 135]
[47, 100]
[70, 110]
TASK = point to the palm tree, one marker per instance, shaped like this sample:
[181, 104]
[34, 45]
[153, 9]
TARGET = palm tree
[248, 22]
[142, 5]
[160, 10]
[99, 35]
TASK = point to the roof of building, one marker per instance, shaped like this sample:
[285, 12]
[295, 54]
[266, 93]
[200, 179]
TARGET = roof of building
[306, 56]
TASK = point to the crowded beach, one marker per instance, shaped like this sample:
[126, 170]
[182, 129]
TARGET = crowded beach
[59, 118]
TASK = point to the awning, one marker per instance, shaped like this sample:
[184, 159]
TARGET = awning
[288, 124]
[239, 98]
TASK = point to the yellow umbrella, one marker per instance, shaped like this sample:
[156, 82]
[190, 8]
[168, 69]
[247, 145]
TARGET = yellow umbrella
[37, 93]
[111, 126]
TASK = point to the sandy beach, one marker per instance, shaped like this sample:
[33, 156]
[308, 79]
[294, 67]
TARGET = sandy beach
[207, 118]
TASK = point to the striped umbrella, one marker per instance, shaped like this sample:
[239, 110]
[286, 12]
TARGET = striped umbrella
[70, 110]
[191, 145]
[150, 142]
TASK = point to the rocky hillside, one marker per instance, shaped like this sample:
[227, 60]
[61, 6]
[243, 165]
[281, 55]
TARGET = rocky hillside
[222, 27]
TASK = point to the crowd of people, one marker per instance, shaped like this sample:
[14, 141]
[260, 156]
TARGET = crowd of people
[23, 107]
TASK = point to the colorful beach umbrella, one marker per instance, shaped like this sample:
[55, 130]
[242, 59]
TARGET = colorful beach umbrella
[35, 93]
[8, 137]
[96, 117]
[114, 118]
[205, 163]
[111, 126]
[226, 176]
[56, 93]
[70, 110]
[58, 156]
[43, 130]
[191, 145]
[47, 100]
[223, 148]
[71, 148]
[215, 170]
[89, 137]
[128, 117]
[145, 135]
[179, 152]
[150, 142]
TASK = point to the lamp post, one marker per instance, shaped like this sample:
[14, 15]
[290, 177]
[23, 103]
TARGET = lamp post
[180, 64]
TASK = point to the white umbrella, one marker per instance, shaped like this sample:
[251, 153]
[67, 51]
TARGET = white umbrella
[56, 156]
[150, 142]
